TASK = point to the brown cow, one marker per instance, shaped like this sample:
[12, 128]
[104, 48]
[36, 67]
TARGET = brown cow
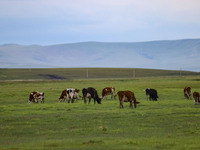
[63, 96]
[34, 96]
[187, 93]
[108, 91]
[196, 97]
[127, 96]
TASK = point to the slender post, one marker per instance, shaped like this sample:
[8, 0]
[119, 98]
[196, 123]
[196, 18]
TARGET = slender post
[133, 73]
[87, 73]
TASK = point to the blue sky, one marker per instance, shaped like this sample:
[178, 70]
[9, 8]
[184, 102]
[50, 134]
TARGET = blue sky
[48, 22]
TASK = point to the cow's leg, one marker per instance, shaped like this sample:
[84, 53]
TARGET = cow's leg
[43, 100]
[35, 100]
[188, 97]
[194, 100]
[112, 96]
[85, 101]
[72, 100]
[89, 100]
[115, 96]
[105, 97]
[131, 104]
[121, 104]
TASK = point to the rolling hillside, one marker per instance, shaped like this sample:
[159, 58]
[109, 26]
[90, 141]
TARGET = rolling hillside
[169, 55]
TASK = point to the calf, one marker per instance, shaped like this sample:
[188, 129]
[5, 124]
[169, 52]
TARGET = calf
[127, 96]
[151, 94]
[76, 93]
[196, 97]
[91, 93]
[34, 96]
[108, 91]
[187, 93]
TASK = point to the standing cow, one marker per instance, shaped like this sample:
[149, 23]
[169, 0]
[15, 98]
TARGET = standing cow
[34, 96]
[108, 91]
[151, 94]
[196, 97]
[127, 96]
[91, 93]
[187, 93]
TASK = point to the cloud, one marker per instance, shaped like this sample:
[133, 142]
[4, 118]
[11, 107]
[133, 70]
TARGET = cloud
[104, 20]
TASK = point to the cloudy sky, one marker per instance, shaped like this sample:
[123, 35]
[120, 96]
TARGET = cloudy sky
[65, 21]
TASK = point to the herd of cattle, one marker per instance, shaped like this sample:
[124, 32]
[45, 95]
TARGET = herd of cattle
[71, 94]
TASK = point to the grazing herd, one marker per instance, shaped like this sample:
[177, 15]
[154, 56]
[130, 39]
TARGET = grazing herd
[71, 94]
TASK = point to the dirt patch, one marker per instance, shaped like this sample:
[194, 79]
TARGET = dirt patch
[52, 76]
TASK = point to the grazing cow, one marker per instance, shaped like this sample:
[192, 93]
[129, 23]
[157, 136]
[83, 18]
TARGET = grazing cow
[69, 94]
[127, 96]
[108, 91]
[91, 93]
[34, 96]
[76, 93]
[151, 94]
[196, 97]
[187, 93]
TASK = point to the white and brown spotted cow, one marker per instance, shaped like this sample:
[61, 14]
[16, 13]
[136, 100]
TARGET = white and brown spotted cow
[35, 96]
[69, 94]
[108, 91]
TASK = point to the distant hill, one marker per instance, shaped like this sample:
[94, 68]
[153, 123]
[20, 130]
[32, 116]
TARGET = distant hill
[171, 55]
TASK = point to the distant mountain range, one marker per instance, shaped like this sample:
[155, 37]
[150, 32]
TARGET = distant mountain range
[171, 55]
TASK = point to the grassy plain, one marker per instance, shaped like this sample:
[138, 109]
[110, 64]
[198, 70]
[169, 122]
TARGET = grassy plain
[170, 123]
[86, 73]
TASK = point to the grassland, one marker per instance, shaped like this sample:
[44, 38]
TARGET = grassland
[86, 73]
[170, 123]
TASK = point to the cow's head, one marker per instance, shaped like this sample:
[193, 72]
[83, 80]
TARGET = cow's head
[99, 100]
[155, 98]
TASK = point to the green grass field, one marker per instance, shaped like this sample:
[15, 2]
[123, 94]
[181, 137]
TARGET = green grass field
[86, 73]
[169, 123]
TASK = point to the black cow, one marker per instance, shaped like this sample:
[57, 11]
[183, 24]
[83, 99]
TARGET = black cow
[151, 94]
[91, 93]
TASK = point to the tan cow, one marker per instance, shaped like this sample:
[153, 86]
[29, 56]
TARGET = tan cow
[34, 96]
[108, 91]
[187, 93]
[127, 96]
[196, 97]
